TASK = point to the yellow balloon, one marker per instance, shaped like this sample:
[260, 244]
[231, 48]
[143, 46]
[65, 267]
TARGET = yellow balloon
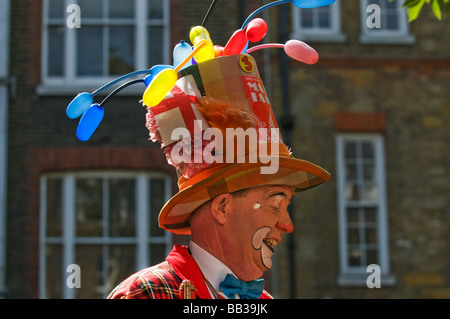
[197, 34]
[159, 87]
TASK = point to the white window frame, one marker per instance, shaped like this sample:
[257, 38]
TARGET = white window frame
[331, 34]
[357, 276]
[70, 83]
[68, 238]
[382, 35]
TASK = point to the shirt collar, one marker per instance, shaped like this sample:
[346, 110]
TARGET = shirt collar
[212, 268]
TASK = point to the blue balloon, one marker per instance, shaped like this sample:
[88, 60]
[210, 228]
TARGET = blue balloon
[79, 105]
[89, 122]
[181, 52]
[307, 4]
[154, 71]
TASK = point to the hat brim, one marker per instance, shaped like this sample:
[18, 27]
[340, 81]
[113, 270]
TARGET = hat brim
[297, 173]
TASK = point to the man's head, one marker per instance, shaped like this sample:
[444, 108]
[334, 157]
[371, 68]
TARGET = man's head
[242, 229]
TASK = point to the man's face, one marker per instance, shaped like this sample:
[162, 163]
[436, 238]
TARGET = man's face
[258, 219]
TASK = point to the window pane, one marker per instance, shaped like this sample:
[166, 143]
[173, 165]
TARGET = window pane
[370, 192]
[56, 9]
[307, 18]
[56, 51]
[121, 50]
[367, 150]
[121, 263]
[54, 207]
[89, 258]
[368, 172]
[54, 271]
[351, 171]
[370, 215]
[155, 9]
[92, 9]
[372, 256]
[90, 51]
[353, 236]
[157, 200]
[352, 215]
[122, 208]
[352, 192]
[119, 9]
[350, 150]
[371, 235]
[157, 253]
[89, 207]
[155, 45]
[354, 257]
[324, 17]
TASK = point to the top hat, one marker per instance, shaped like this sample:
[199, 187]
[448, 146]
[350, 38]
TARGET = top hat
[222, 97]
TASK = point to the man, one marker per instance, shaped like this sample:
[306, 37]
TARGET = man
[235, 211]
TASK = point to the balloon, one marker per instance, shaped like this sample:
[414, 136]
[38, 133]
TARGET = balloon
[296, 49]
[256, 30]
[308, 4]
[166, 79]
[159, 87]
[89, 122]
[300, 51]
[197, 34]
[79, 105]
[180, 52]
[236, 43]
[154, 71]
[218, 50]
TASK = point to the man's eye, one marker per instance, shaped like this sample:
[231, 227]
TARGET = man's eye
[276, 209]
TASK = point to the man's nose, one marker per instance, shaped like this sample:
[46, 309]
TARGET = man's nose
[285, 223]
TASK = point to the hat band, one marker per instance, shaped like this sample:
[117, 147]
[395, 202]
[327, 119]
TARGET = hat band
[184, 182]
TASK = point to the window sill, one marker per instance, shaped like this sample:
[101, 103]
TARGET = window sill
[331, 37]
[360, 280]
[388, 39]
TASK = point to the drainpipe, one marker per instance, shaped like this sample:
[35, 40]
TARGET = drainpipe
[287, 125]
[4, 81]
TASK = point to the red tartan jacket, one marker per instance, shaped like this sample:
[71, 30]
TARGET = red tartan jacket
[162, 281]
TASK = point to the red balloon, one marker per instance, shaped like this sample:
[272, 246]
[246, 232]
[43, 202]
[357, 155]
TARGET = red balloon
[218, 50]
[256, 30]
[236, 44]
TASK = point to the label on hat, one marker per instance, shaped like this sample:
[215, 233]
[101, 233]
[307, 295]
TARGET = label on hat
[260, 104]
[246, 63]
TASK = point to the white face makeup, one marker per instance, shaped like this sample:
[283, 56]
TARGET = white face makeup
[264, 245]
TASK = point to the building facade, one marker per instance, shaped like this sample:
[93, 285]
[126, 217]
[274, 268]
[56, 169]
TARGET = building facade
[374, 111]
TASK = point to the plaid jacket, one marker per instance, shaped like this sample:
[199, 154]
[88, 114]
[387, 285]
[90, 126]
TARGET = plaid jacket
[162, 281]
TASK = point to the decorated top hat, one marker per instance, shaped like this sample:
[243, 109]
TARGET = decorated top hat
[214, 120]
[226, 94]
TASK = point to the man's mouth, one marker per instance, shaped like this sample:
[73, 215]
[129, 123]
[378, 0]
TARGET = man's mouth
[270, 243]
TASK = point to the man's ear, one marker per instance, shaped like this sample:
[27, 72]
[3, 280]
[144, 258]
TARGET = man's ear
[220, 206]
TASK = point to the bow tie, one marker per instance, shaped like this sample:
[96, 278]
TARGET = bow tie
[246, 290]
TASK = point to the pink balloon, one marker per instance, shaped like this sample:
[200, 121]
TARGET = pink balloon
[300, 51]
[236, 44]
[256, 30]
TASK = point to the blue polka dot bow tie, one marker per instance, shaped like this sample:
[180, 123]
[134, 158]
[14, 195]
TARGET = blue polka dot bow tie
[246, 290]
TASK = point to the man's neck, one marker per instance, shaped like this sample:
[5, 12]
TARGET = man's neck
[212, 268]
